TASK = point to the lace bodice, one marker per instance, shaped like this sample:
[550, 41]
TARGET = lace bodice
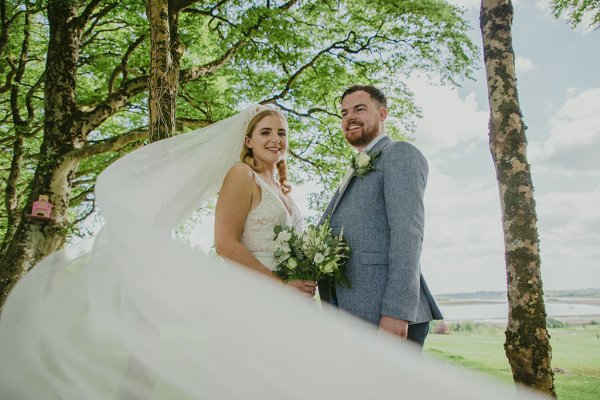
[258, 230]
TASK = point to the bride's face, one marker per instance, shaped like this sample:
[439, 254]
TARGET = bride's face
[269, 140]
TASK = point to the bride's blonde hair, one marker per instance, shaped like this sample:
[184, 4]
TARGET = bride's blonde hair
[246, 155]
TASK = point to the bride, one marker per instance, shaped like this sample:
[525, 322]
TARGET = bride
[251, 203]
[134, 314]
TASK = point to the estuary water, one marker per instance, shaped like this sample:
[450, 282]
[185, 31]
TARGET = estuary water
[497, 312]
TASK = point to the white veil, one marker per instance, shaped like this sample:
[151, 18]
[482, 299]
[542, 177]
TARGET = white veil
[134, 314]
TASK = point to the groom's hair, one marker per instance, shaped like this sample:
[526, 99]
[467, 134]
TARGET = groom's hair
[375, 93]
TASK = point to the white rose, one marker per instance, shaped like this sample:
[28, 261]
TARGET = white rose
[291, 263]
[319, 258]
[285, 248]
[284, 236]
[362, 159]
[329, 267]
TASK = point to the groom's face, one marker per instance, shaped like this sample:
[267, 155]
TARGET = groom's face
[362, 118]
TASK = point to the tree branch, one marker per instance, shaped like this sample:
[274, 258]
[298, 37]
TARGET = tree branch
[14, 91]
[180, 123]
[11, 199]
[123, 66]
[114, 101]
[309, 113]
[80, 21]
[3, 27]
[209, 13]
[130, 88]
[30, 95]
[97, 17]
[10, 76]
[6, 23]
[306, 160]
[203, 12]
[299, 72]
[90, 211]
[177, 5]
[194, 73]
[113, 144]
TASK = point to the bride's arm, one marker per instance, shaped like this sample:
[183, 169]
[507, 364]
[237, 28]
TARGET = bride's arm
[233, 205]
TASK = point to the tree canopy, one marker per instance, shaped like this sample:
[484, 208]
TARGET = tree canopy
[578, 11]
[297, 54]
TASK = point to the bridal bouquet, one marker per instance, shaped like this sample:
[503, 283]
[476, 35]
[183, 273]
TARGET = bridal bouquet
[310, 255]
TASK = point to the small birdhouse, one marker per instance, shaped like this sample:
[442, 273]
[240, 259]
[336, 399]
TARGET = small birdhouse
[42, 209]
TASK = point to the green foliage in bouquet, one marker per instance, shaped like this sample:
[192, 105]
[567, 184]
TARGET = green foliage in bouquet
[310, 255]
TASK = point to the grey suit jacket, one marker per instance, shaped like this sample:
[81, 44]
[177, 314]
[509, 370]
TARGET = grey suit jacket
[382, 216]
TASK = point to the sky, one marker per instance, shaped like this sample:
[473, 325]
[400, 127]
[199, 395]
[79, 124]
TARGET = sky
[559, 92]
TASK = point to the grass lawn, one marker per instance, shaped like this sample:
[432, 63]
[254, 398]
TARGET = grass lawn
[575, 353]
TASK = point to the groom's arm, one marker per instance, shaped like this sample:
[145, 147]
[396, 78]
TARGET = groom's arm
[405, 177]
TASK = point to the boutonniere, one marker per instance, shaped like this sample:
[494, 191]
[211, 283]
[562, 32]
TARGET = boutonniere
[362, 163]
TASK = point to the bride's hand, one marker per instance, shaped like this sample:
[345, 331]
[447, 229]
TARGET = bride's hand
[307, 287]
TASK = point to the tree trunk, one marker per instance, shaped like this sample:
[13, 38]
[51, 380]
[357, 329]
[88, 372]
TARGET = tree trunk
[66, 126]
[34, 239]
[11, 197]
[527, 343]
[3, 28]
[164, 70]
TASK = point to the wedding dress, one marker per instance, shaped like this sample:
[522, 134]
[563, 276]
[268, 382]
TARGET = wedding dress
[258, 233]
[135, 314]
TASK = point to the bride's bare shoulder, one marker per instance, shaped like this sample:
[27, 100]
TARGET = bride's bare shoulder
[239, 174]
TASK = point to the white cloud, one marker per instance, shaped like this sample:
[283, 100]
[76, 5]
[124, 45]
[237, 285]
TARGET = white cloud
[464, 246]
[574, 141]
[468, 4]
[471, 4]
[447, 119]
[584, 27]
[569, 225]
[544, 5]
[524, 65]
[463, 249]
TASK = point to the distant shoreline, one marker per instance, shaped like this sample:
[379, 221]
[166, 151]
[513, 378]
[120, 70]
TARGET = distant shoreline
[573, 310]
[575, 300]
[587, 293]
[593, 301]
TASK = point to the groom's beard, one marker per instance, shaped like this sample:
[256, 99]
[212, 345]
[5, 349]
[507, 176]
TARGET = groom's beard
[363, 136]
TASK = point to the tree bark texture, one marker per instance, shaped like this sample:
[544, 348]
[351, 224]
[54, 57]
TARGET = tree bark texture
[164, 70]
[34, 239]
[11, 197]
[527, 343]
[67, 126]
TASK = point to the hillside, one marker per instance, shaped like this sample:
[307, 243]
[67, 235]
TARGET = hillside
[497, 295]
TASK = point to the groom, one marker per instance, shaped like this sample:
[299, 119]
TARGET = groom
[380, 208]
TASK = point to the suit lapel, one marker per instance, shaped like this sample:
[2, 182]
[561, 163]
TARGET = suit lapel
[380, 145]
[345, 183]
[342, 189]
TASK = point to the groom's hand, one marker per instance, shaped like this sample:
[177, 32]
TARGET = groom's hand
[397, 327]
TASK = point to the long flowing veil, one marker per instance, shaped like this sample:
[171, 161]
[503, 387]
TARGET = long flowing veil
[134, 314]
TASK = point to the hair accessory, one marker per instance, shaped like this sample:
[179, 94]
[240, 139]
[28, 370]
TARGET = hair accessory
[261, 107]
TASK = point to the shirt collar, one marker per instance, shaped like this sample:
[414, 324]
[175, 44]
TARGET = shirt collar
[374, 142]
